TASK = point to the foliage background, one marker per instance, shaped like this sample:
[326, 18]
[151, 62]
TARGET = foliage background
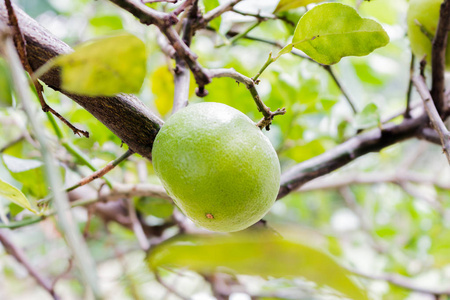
[391, 215]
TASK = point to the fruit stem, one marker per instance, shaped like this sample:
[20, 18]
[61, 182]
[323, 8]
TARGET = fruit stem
[251, 86]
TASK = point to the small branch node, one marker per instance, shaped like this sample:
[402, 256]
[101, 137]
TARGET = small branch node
[201, 92]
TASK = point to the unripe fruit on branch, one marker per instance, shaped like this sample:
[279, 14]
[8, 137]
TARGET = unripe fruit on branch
[217, 166]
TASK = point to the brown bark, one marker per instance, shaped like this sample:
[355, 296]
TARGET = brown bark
[125, 115]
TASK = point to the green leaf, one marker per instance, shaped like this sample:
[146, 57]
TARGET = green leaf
[109, 22]
[29, 173]
[106, 66]
[284, 5]
[210, 5]
[306, 151]
[5, 85]
[369, 117]
[254, 253]
[12, 194]
[331, 31]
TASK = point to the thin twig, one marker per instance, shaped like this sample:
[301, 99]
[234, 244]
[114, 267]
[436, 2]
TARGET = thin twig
[166, 48]
[100, 173]
[181, 73]
[299, 54]
[183, 7]
[264, 16]
[168, 287]
[137, 226]
[340, 86]
[403, 282]
[361, 144]
[67, 271]
[438, 58]
[19, 255]
[22, 51]
[22, 223]
[97, 174]
[333, 182]
[433, 114]
[156, 1]
[219, 10]
[250, 84]
[164, 22]
[241, 34]
[407, 113]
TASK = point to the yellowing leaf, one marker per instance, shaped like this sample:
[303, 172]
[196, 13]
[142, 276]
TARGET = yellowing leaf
[163, 88]
[254, 253]
[284, 5]
[106, 66]
[331, 31]
[210, 5]
[162, 84]
[12, 194]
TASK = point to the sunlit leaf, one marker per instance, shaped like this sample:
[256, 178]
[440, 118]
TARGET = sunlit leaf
[284, 5]
[30, 173]
[254, 253]
[163, 86]
[12, 194]
[106, 66]
[209, 5]
[306, 151]
[331, 31]
[110, 22]
[5, 85]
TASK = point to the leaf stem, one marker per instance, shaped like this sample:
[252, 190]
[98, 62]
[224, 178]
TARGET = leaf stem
[269, 60]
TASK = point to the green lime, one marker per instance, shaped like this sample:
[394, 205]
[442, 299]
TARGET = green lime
[218, 167]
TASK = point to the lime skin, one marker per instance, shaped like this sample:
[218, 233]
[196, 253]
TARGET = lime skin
[218, 167]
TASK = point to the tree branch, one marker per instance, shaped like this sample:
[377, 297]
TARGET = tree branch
[438, 58]
[124, 115]
[336, 182]
[433, 114]
[22, 51]
[182, 75]
[164, 22]
[403, 282]
[300, 54]
[371, 141]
